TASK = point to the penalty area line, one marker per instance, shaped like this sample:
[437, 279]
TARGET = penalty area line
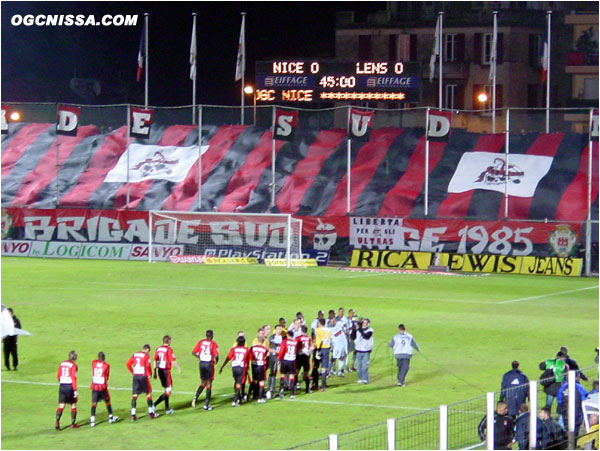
[548, 295]
[312, 401]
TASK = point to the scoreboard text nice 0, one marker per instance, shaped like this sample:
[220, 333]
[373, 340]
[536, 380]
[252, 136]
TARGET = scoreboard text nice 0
[328, 81]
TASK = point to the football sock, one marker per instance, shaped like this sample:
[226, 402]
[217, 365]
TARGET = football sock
[323, 380]
[208, 393]
[93, 410]
[167, 402]
[109, 408]
[237, 395]
[133, 404]
[59, 412]
[160, 399]
[199, 391]
[293, 386]
[261, 391]
[307, 382]
[73, 415]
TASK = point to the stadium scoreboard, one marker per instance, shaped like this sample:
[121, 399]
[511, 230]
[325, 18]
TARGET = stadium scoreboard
[327, 81]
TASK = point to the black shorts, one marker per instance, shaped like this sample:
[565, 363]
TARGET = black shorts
[100, 395]
[165, 378]
[303, 363]
[207, 371]
[273, 363]
[239, 375]
[288, 367]
[258, 373]
[66, 394]
[141, 384]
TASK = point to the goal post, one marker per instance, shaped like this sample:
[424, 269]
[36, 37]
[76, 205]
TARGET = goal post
[254, 236]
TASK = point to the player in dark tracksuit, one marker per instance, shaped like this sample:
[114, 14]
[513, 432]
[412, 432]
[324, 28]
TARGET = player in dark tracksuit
[503, 427]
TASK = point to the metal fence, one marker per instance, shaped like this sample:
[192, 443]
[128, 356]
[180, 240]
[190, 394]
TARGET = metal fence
[422, 430]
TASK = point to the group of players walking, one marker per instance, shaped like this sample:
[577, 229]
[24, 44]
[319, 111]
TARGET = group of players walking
[288, 351]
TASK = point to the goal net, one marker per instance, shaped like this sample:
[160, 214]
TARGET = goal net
[224, 235]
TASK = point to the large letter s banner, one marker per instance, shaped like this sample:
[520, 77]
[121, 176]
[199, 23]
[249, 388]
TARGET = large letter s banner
[285, 124]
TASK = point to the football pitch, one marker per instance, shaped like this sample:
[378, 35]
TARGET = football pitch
[469, 329]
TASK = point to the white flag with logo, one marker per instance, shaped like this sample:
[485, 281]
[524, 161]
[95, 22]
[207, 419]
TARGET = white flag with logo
[240, 63]
[488, 170]
[169, 163]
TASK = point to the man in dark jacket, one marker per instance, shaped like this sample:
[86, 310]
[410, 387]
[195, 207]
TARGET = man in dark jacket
[514, 389]
[522, 427]
[549, 433]
[572, 363]
[503, 427]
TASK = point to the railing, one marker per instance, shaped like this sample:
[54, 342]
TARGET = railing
[422, 430]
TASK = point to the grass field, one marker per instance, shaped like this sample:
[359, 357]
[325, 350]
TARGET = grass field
[473, 326]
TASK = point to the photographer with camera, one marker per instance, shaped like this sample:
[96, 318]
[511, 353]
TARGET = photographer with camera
[362, 334]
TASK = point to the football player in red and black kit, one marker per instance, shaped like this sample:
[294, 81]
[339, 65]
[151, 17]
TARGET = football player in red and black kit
[207, 352]
[287, 357]
[67, 391]
[258, 356]
[163, 360]
[240, 358]
[100, 375]
[303, 357]
[139, 365]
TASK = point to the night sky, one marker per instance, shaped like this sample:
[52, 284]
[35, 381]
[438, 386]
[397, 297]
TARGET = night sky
[39, 62]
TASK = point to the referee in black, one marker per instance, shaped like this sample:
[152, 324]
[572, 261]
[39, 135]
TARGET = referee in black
[10, 344]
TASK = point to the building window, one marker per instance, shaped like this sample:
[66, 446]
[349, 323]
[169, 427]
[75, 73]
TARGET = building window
[450, 47]
[486, 51]
[364, 46]
[450, 97]
[590, 90]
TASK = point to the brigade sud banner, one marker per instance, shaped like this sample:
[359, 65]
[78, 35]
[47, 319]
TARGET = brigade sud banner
[124, 235]
[23, 230]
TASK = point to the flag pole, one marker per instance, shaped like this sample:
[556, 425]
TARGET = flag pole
[427, 162]
[242, 50]
[588, 225]
[193, 67]
[348, 162]
[200, 158]
[273, 149]
[441, 56]
[146, 15]
[127, 150]
[548, 26]
[493, 69]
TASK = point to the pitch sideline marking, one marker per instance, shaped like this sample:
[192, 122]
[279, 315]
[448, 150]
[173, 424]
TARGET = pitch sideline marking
[548, 295]
[314, 401]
